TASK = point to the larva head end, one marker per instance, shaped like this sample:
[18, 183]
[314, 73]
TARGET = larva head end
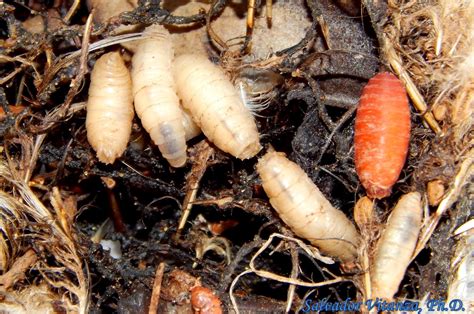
[364, 213]
[378, 192]
[270, 154]
[110, 58]
[106, 156]
[177, 163]
[385, 75]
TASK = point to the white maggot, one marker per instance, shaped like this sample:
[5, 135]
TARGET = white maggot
[395, 247]
[215, 106]
[302, 206]
[155, 97]
[109, 107]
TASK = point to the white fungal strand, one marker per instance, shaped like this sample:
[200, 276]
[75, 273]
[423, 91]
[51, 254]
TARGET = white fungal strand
[215, 106]
[154, 92]
[395, 247]
[109, 108]
[302, 206]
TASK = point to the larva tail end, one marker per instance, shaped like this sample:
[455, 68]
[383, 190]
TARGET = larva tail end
[250, 151]
[107, 156]
[177, 163]
[379, 192]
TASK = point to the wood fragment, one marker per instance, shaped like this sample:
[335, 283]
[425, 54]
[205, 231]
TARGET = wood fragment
[115, 212]
[203, 152]
[155, 294]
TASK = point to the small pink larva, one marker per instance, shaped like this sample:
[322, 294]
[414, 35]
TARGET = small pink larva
[215, 106]
[109, 107]
[204, 301]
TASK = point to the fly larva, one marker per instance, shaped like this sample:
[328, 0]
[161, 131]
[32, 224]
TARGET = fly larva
[156, 101]
[215, 106]
[302, 206]
[109, 108]
[382, 133]
[395, 247]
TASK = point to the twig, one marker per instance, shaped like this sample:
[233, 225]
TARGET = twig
[153, 14]
[210, 30]
[110, 41]
[239, 256]
[114, 205]
[292, 281]
[295, 262]
[336, 128]
[231, 290]
[77, 81]
[203, 152]
[24, 64]
[250, 22]
[155, 294]
[72, 10]
[269, 12]
[311, 252]
[415, 95]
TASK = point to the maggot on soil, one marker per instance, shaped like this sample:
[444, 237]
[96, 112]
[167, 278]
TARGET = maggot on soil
[316, 83]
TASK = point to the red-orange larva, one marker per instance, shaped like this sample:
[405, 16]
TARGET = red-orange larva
[204, 301]
[382, 133]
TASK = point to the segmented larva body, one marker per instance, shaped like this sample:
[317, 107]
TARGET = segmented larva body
[109, 107]
[215, 106]
[302, 206]
[156, 102]
[395, 247]
[382, 134]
